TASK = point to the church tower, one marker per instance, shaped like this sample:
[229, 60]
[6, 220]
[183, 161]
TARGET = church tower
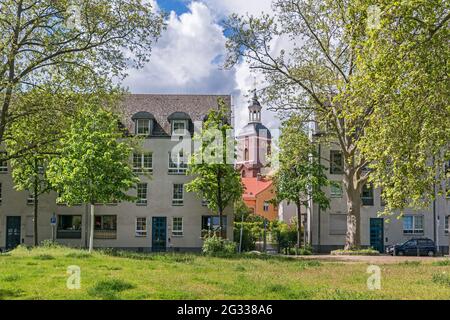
[254, 143]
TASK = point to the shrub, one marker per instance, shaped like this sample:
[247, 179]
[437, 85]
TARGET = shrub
[217, 246]
[355, 252]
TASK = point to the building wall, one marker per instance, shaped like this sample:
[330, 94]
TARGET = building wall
[324, 237]
[256, 204]
[159, 205]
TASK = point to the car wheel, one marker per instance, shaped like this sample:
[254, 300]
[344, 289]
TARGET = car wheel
[400, 253]
[431, 253]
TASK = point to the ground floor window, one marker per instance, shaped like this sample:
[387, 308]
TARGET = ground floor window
[413, 224]
[177, 227]
[211, 225]
[105, 227]
[69, 227]
[141, 227]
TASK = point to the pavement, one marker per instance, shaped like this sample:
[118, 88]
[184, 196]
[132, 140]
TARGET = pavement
[382, 259]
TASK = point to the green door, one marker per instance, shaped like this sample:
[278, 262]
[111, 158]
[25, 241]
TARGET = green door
[159, 234]
[377, 234]
[12, 232]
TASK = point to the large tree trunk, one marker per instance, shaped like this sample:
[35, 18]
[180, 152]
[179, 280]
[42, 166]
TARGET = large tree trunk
[91, 231]
[299, 227]
[35, 225]
[353, 236]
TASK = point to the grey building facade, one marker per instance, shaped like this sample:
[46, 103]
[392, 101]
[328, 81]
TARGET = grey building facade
[164, 218]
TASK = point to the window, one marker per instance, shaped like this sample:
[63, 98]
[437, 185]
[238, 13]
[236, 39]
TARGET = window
[446, 225]
[336, 190]
[3, 163]
[336, 162]
[338, 224]
[105, 227]
[367, 195]
[179, 127]
[141, 227]
[177, 227]
[143, 127]
[266, 206]
[204, 202]
[142, 162]
[69, 227]
[177, 197]
[177, 163]
[246, 155]
[142, 194]
[413, 224]
[210, 224]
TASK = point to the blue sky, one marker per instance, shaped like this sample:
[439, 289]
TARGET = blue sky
[188, 57]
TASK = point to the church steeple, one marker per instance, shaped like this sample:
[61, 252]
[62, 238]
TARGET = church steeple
[254, 110]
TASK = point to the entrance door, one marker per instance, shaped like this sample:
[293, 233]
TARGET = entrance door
[377, 234]
[159, 234]
[12, 232]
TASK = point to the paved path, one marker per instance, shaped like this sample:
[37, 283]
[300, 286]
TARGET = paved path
[371, 259]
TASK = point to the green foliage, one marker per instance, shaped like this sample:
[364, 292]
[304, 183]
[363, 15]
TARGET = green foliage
[215, 178]
[93, 163]
[215, 245]
[108, 289]
[404, 78]
[441, 278]
[285, 235]
[71, 46]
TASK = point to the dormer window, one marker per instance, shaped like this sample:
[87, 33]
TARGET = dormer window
[143, 127]
[179, 127]
[143, 123]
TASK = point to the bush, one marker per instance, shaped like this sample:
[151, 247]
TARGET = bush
[304, 251]
[49, 244]
[355, 252]
[214, 245]
[251, 233]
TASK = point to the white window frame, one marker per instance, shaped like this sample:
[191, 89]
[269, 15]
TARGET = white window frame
[141, 233]
[178, 232]
[149, 127]
[142, 201]
[414, 229]
[30, 199]
[178, 202]
[175, 167]
[266, 206]
[142, 168]
[184, 131]
[335, 195]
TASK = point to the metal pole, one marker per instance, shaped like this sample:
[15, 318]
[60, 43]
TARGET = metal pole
[241, 233]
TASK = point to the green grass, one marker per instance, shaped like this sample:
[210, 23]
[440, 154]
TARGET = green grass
[41, 273]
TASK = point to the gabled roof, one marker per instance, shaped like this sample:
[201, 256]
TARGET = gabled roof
[253, 187]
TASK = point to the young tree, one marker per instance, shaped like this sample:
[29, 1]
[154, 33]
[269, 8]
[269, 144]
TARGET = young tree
[212, 165]
[311, 75]
[300, 176]
[79, 45]
[93, 165]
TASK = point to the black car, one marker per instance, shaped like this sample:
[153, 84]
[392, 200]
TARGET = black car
[413, 247]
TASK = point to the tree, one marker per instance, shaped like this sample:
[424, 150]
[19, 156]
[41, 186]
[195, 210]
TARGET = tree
[93, 165]
[312, 75]
[404, 74]
[300, 176]
[216, 179]
[78, 45]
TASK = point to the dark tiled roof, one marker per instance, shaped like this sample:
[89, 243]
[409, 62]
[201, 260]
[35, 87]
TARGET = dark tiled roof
[164, 105]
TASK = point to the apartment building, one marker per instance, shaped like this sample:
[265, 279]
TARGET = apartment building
[164, 216]
[328, 227]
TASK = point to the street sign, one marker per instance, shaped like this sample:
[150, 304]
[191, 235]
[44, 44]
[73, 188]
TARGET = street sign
[53, 220]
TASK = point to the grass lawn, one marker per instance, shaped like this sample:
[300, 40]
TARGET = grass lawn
[42, 274]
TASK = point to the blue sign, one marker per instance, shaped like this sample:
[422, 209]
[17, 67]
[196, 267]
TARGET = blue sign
[53, 220]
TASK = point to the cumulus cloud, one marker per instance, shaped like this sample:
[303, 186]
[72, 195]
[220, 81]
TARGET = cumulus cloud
[190, 53]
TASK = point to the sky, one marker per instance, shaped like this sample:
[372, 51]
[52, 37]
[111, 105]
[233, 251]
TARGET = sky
[188, 57]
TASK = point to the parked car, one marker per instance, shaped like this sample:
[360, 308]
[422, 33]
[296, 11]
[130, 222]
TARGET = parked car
[413, 247]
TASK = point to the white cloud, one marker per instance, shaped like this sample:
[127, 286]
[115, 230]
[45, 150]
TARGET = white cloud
[189, 55]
